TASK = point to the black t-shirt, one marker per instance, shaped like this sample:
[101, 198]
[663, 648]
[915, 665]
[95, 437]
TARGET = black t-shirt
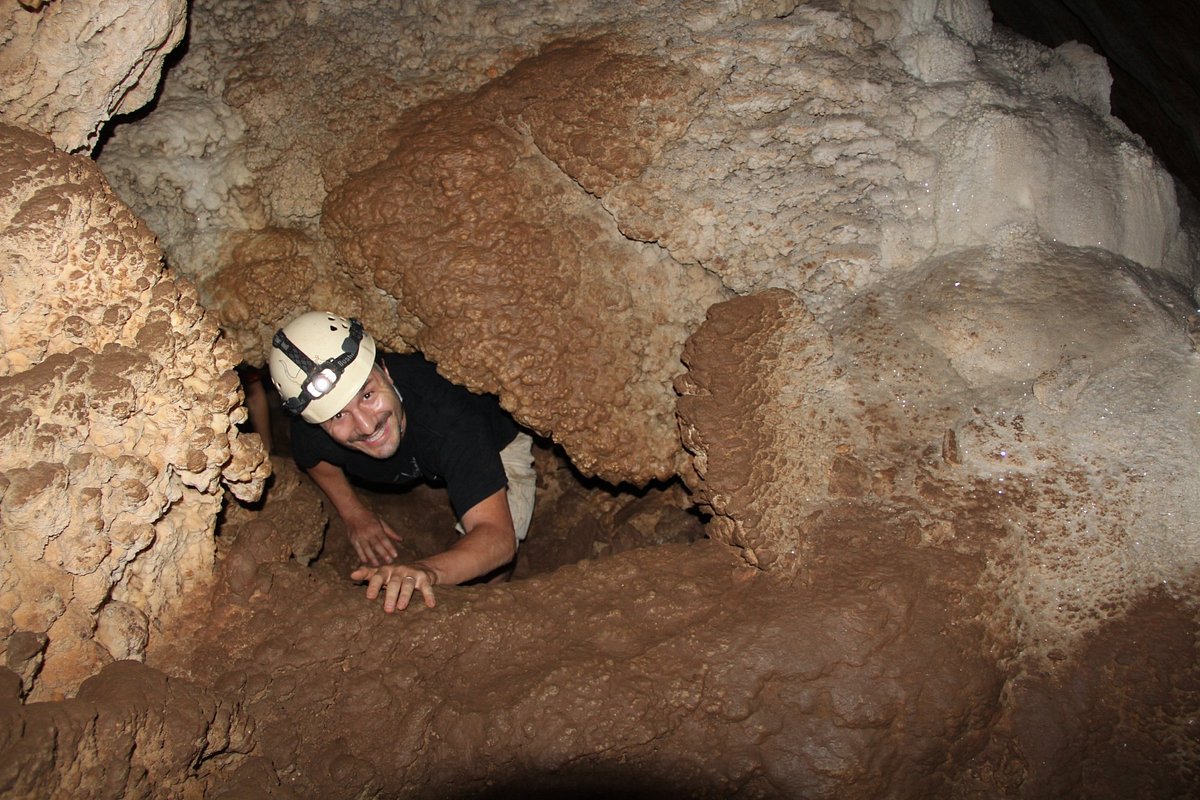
[450, 434]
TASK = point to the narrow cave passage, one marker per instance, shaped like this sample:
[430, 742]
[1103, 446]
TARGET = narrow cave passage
[575, 517]
[939, 388]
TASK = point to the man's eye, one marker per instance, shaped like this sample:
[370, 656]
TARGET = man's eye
[367, 395]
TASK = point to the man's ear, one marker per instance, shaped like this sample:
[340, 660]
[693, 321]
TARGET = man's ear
[383, 368]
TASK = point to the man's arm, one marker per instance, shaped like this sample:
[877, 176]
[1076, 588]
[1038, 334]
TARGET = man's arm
[260, 412]
[371, 536]
[489, 543]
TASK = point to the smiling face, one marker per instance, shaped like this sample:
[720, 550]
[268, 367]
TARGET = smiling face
[373, 421]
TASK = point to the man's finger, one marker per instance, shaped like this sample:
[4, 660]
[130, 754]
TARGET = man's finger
[361, 550]
[389, 598]
[378, 580]
[427, 593]
[386, 551]
[380, 552]
[407, 584]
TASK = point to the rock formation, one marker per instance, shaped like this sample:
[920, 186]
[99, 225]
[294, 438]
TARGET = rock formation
[119, 405]
[886, 287]
[66, 68]
[934, 396]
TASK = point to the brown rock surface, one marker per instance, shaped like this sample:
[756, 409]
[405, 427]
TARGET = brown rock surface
[507, 273]
[131, 732]
[117, 428]
[622, 675]
[671, 671]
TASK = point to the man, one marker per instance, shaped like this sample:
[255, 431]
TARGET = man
[398, 421]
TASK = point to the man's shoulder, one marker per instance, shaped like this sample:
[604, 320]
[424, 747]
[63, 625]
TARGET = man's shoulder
[411, 366]
[311, 444]
[417, 378]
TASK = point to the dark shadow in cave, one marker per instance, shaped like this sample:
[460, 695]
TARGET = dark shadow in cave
[169, 61]
[592, 783]
[1150, 51]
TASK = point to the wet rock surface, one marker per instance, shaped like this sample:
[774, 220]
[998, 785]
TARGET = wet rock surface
[619, 673]
[131, 731]
[879, 668]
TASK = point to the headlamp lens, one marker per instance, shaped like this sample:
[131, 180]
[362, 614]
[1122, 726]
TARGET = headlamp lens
[320, 384]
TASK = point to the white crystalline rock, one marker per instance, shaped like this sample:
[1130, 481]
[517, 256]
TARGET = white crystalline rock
[1058, 175]
[185, 163]
[1084, 395]
[66, 68]
[835, 141]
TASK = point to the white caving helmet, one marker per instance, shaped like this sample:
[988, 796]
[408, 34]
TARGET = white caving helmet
[318, 363]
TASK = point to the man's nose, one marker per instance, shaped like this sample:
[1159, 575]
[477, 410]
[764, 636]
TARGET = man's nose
[364, 421]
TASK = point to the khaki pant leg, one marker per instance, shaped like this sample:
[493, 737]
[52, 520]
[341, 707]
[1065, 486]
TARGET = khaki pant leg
[522, 482]
[517, 459]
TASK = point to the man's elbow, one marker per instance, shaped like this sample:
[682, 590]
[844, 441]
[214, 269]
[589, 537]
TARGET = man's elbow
[495, 545]
[508, 548]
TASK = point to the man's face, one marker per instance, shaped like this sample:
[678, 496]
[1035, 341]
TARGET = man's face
[371, 422]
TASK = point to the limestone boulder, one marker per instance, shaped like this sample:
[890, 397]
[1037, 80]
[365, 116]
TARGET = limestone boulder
[506, 272]
[118, 424]
[1057, 384]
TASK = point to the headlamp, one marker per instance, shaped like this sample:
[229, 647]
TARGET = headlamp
[319, 385]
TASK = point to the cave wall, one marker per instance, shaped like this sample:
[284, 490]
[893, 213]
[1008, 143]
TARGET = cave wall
[711, 149]
[1148, 48]
[119, 401]
[67, 68]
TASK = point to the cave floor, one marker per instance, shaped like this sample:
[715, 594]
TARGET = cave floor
[672, 669]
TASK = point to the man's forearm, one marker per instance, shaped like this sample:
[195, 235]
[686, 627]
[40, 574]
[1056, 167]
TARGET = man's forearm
[485, 548]
[488, 544]
[333, 482]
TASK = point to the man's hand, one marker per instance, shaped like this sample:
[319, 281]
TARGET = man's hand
[399, 582]
[372, 539]
[489, 543]
[371, 536]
